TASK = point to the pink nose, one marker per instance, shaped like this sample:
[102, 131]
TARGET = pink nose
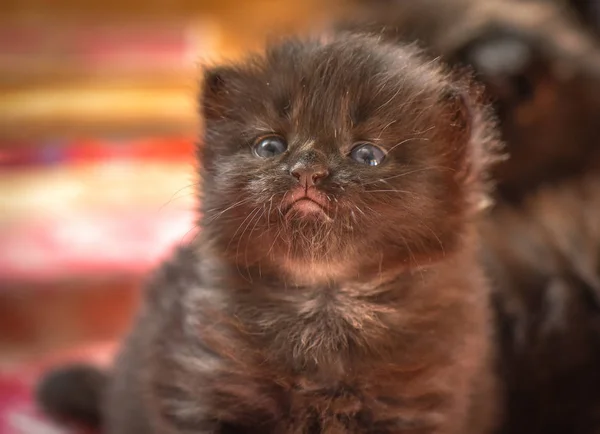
[309, 176]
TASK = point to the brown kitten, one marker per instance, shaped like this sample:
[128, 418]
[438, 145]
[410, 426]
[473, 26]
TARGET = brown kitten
[335, 286]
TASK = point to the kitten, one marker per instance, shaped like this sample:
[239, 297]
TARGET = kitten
[335, 285]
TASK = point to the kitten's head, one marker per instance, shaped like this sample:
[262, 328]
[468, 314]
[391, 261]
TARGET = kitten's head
[340, 153]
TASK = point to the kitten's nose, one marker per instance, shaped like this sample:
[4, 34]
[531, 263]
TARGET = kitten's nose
[309, 175]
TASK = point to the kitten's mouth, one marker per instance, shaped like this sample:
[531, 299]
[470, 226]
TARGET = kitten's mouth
[306, 202]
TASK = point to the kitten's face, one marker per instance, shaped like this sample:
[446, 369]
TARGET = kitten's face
[328, 154]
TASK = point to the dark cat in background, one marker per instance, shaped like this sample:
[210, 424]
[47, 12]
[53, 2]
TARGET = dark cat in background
[335, 286]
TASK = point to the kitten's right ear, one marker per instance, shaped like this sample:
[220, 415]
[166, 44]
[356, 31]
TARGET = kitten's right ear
[214, 100]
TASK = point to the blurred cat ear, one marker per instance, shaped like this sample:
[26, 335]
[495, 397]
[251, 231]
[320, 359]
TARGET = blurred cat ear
[215, 92]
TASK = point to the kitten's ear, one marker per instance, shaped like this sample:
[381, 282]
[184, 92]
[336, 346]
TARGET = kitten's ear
[459, 113]
[214, 99]
[475, 145]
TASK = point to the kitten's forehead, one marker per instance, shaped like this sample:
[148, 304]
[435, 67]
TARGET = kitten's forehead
[322, 85]
[338, 67]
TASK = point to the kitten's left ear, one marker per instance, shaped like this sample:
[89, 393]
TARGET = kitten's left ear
[474, 142]
[216, 87]
[459, 114]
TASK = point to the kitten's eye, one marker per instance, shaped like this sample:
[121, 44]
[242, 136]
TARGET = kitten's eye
[271, 146]
[368, 154]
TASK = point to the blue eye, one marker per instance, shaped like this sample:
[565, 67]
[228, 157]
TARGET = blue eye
[366, 153]
[271, 146]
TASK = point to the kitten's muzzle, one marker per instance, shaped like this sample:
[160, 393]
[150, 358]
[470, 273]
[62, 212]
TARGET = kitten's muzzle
[307, 199]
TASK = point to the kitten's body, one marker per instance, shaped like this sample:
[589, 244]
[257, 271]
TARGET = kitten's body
[324, 295]
[341, 359]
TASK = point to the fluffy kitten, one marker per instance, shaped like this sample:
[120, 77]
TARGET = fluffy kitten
[335, 285]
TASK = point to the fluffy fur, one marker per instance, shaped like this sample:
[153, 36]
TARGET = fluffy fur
[368, 314]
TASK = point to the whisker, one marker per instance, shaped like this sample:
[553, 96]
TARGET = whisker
[282, 201]
[371, 209]
[237, 250]
[250, 236]
[422, 169]
[269, 213]
[274, 240]
[360, 210]
[194, 227]
[391, 191]
[407, 141]
[235, 205]
[172, 198]
[240, 226]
